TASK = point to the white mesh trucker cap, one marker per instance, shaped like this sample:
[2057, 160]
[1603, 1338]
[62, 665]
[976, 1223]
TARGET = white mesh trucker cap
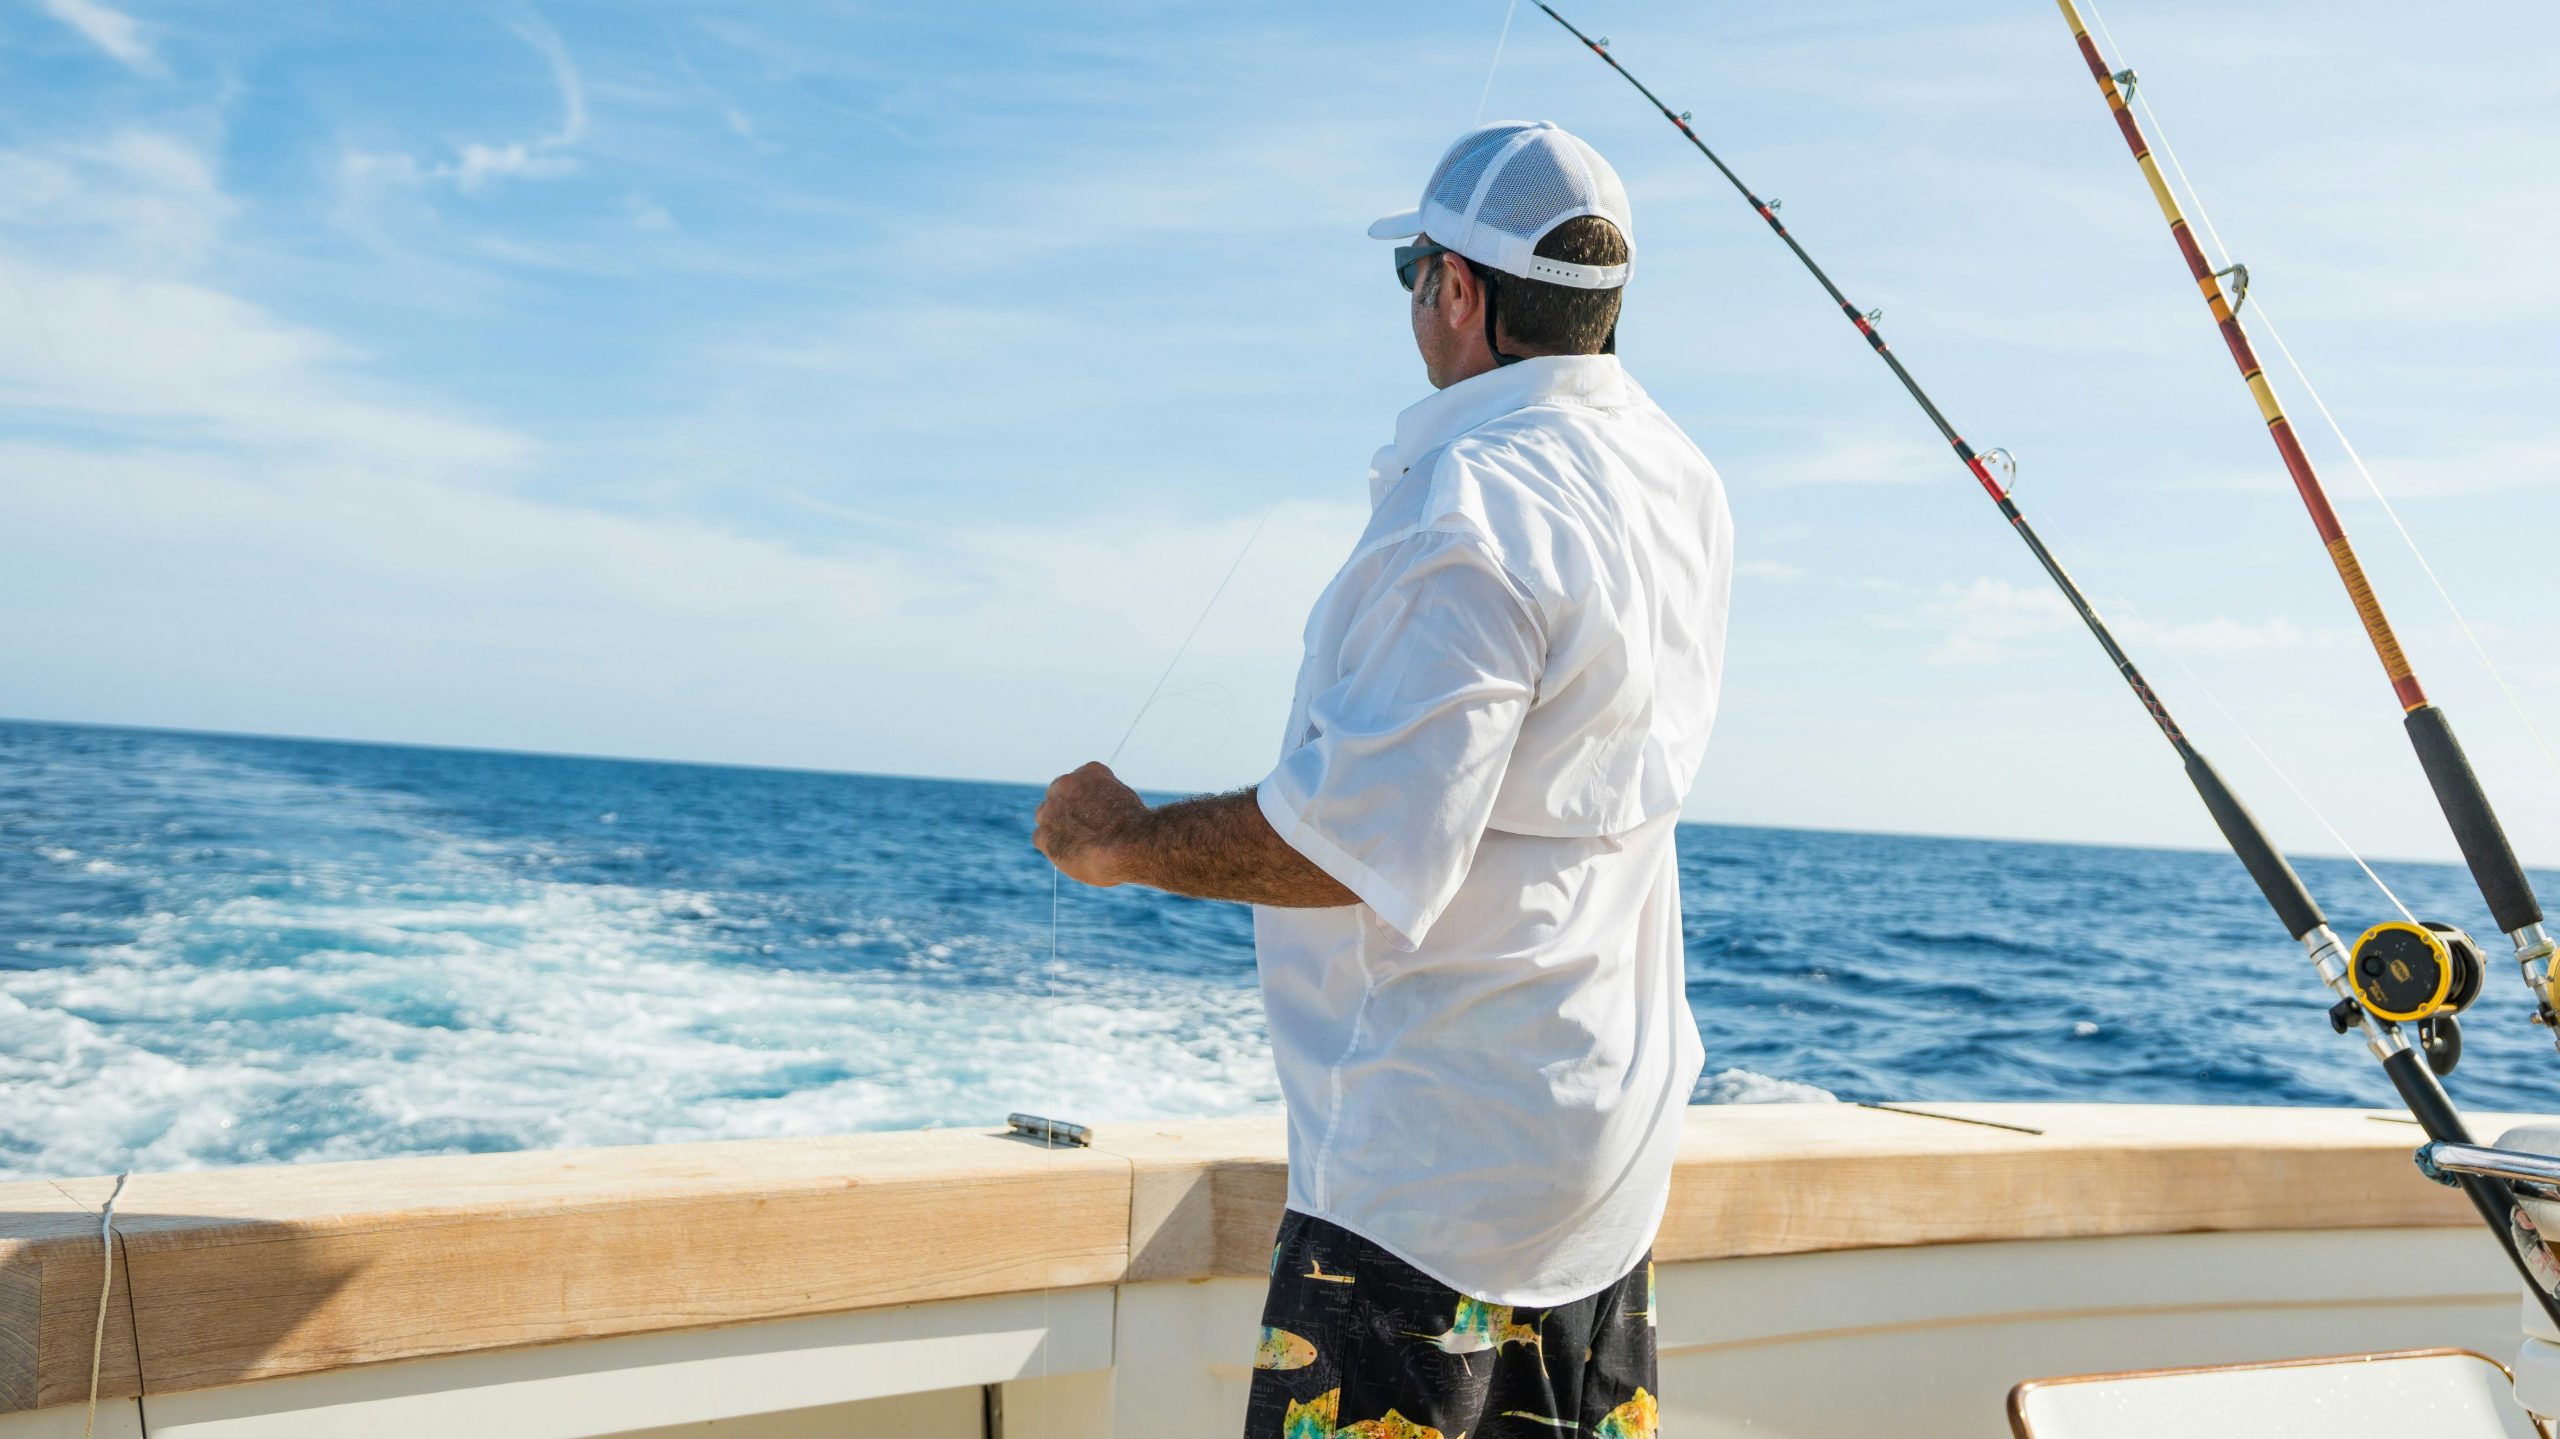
[1502, 187]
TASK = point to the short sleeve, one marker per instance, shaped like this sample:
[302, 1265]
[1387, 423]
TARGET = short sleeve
[1391, 790]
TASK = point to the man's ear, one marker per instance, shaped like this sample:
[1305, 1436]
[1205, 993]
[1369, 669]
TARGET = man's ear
[1460, 294]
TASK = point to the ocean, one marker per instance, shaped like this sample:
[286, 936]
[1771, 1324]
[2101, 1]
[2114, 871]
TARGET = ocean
[219, 950]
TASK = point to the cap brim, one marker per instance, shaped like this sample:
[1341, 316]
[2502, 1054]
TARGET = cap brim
[1402, 225]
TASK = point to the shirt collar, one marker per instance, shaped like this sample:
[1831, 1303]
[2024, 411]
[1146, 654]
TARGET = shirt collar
[1444, 415]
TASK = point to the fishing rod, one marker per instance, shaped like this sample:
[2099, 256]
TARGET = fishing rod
[2483, 841]
[2420, 975]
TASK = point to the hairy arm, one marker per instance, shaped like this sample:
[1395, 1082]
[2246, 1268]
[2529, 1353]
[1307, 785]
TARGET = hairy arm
[1218, 846]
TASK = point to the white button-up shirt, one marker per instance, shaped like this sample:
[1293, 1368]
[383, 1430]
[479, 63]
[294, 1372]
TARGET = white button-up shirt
[1505, 697]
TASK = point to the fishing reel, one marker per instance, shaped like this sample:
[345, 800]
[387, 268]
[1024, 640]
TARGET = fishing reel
[2421, 974]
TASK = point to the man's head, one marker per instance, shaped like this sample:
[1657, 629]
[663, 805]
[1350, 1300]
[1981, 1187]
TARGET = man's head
[1520, 247]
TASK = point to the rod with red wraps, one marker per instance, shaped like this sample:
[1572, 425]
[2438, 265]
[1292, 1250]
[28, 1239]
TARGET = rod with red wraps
[2409, 1073]
[2483, 840]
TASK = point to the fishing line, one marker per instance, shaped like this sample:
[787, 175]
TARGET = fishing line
[2267, 323]
[1497, 59]
[2486, 851]
[1194, 632]
[1049, 976]
[1055, 889]
[2160, 642]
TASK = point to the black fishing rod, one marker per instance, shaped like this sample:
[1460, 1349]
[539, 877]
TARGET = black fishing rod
[2427, 982]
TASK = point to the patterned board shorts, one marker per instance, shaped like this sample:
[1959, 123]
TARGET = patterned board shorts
[1358, 1344]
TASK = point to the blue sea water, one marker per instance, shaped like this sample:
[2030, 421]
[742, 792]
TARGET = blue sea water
[223, 950]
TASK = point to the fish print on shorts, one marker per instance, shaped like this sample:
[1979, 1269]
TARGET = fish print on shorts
[1312, 1419]
[1478, 1327]
[1281, 1349]
[1638, 1418]
[1394, 1426]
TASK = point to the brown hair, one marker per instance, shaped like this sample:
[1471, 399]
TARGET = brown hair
[1559, 319]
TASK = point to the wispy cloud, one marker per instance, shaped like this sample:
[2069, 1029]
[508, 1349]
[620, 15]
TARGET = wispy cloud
[1991, 621]
[2223, 635]
[548, 154]
[1769, 570]
[1986, 621]
[411, 551]
[647, 214]
[167, 359]
[2521, 463]
[137, 198]
[628, 631]
[113, 31]
[476, 163]
[1856, 461]
[117, 325]
[739, 122]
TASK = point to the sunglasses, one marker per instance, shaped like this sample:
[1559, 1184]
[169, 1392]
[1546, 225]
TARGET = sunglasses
[1409, 260]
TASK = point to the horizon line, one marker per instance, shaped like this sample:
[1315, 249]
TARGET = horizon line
[771, 768]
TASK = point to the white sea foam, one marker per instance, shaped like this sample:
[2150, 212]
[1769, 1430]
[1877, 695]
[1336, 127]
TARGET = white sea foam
[475, 1009]
[1745, 1086]
[352, 980]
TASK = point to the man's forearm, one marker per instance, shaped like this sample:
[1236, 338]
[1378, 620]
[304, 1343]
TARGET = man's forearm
[1219, 846]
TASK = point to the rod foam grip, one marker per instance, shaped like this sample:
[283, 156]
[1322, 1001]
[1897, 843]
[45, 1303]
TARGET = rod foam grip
[2283, 888]
[2475, 825]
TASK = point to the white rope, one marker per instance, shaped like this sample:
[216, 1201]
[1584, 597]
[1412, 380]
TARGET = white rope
[1489, 70]
[106, 1291]
[2267, 323]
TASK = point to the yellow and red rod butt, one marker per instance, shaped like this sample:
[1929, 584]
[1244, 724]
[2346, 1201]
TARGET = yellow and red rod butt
[2306, 481]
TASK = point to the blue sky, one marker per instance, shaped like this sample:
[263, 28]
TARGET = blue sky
[886, 387]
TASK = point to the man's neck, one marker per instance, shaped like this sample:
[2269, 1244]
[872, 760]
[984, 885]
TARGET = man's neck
[1476, 364]
[1481, 362]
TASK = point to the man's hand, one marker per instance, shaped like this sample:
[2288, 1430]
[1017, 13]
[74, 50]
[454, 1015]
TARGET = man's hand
[1212, 846]
[1085, 822]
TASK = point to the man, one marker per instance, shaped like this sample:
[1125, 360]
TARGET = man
[1467, 909]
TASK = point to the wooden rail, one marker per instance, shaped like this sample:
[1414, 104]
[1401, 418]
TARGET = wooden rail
[233, 1275]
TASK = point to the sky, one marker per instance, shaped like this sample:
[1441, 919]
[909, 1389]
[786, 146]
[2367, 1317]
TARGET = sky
[888, 387]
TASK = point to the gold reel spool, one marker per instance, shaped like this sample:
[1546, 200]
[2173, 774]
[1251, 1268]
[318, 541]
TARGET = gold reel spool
[2407, 972]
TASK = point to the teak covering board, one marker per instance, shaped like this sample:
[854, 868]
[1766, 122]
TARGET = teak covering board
[232, 1275]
